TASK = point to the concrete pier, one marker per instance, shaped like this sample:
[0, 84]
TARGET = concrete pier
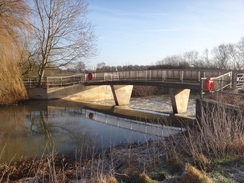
[122, 94]
[179, 99]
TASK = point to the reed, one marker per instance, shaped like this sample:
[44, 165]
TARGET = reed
[218, 136]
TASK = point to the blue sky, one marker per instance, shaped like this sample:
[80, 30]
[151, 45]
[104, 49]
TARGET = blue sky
[142, 32]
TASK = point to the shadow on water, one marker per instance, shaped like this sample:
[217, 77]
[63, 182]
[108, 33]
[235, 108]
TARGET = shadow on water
[34, 128]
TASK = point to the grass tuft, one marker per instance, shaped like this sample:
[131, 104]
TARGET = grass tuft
[193, 175]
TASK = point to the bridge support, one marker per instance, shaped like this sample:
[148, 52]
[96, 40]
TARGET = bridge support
[179, 99]
[122, 94]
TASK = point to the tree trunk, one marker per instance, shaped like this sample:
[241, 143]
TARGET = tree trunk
[41, 75]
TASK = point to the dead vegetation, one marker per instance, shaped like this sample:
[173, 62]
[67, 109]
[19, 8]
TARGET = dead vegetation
[229, 96]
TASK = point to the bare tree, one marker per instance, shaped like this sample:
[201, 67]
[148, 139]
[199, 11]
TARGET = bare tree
[240, 55]
[221, 56]
[80, 66]
[191, 57]
[205, 60]
[101, 65]
[233, 56]
[62, 32]
[173, 60]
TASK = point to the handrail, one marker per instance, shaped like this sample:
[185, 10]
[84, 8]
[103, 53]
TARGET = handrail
[60, 81]
[158, 75]
[219, 82]
[162, 75]
[240, 80]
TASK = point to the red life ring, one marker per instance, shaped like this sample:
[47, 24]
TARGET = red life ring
[45, 84]
[209, 85]
[90, 76]
[92, 116]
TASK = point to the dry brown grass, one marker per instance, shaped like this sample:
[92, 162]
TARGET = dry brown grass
[145, 179]
[219, 127]
[193, 175]
[218, 135]
[51, 169]
[229, 97]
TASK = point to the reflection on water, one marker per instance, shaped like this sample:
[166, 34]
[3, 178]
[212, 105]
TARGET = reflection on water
[29, 128]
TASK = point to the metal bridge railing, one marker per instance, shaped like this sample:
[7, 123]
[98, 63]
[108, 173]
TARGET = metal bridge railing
[218, 84]
[65, 80]
[221, 78]
[154, 75]
[240, 80]
[57, 81]
[31, 82]
[212, 84]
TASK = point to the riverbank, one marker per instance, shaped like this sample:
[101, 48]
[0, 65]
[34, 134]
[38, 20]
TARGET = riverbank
[207, 153]
[147, 162]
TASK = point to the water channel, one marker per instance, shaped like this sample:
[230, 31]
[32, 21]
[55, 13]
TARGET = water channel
[33, 128]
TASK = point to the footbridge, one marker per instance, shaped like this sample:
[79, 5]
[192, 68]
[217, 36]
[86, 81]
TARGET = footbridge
[119, 85]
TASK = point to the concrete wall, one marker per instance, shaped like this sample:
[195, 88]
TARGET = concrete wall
[84, 93]
[37, 93]
[79, 92]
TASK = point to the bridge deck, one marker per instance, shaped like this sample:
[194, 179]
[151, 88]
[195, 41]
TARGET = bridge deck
[171, 84]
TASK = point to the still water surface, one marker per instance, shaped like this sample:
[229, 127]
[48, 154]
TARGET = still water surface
[32, 128]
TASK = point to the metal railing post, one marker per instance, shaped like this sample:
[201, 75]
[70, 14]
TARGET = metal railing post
[199, 76]
[201, 88]
[47, 83]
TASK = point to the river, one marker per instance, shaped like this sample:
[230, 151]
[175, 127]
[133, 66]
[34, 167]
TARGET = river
[33, 128]
[156, 103]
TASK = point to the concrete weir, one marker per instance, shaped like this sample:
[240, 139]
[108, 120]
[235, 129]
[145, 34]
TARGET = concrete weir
[121, 94]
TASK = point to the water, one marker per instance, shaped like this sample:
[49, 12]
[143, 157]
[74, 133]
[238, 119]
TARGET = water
[32, 129]
[160, 104]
